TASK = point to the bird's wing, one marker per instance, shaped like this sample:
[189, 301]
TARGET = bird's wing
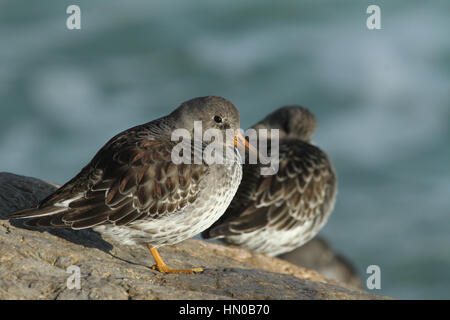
[132, 177]
[301, 190]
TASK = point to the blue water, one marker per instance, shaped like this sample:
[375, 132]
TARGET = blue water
[381, 98]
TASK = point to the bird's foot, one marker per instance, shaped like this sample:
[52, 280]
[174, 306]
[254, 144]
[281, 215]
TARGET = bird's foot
[164, 268]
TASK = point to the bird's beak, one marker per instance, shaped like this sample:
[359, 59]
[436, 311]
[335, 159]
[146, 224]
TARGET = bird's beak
[241, 142]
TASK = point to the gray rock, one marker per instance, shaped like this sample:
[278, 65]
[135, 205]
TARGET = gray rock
[19, 192]
[33, 264]
[318, 255]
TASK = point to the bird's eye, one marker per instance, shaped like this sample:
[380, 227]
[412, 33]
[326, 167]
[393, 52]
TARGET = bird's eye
[217, 119]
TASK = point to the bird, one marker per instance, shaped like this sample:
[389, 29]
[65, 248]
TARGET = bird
[274, 214]
[133, 191]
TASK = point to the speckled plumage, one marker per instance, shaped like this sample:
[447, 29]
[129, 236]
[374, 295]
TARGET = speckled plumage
[278, 213]
[134, 192]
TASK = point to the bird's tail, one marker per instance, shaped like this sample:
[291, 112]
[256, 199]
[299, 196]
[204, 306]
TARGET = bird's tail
[36, 212]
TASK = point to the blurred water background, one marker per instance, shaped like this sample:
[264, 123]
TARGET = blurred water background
[381, 98]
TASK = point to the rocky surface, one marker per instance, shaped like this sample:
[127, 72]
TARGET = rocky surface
[33, 264]
[318, 255]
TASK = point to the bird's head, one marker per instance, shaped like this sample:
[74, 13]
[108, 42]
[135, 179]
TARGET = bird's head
[293, 121]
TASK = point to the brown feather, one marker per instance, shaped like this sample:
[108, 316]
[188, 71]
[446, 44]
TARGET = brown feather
[130, 178]
[282, 200]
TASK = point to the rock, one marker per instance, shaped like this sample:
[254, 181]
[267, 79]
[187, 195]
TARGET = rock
[33, 264]
[17, 192]
[318, 255]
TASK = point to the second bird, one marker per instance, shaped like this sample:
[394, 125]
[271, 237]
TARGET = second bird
[278, 213]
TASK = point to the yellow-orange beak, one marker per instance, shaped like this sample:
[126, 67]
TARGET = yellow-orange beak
[241, 142]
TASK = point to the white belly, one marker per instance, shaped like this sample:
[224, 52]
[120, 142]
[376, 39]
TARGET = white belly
[274, 242]
[212, 202]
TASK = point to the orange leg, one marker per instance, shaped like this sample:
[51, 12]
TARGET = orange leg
[164, 268]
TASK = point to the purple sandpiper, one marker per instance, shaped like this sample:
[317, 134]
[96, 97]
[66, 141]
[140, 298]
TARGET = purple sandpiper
[133, 191]
[278, 213]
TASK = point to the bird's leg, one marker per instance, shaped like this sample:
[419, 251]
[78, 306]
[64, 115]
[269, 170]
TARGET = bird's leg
[164, 268]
